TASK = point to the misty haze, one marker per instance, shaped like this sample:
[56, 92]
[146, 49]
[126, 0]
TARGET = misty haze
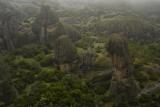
[79, 53]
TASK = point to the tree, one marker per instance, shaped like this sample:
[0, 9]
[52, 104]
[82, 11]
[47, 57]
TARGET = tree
[65, 52]
[69, 91]
[7, 91]
[72, 32]
[57, 32]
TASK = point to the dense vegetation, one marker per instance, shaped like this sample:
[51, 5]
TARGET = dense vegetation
[95, 56]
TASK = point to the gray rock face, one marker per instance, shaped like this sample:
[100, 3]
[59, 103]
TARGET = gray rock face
[123, 86]
[151, 90]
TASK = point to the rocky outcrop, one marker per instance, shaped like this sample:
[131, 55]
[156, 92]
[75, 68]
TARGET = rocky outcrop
[87, 59]
[9, 18]
[65, 53]
[150, 90]
[123, 86]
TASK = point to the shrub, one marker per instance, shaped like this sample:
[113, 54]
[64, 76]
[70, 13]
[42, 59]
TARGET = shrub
[102, 62]
[47, 74]
[26, 63]
[47, 60]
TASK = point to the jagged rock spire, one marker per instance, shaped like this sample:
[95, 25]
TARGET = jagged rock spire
[123, 85]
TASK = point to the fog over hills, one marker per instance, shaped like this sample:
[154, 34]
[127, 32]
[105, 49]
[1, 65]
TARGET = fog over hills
[83, 3]
[106, 1]
[135, 4]
[86, 1]
[79, 53]
[147, 6]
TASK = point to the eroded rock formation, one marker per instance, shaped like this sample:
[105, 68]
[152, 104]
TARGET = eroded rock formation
[123, 86]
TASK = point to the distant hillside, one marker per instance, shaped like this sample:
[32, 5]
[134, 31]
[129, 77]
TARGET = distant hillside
[135, 28]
